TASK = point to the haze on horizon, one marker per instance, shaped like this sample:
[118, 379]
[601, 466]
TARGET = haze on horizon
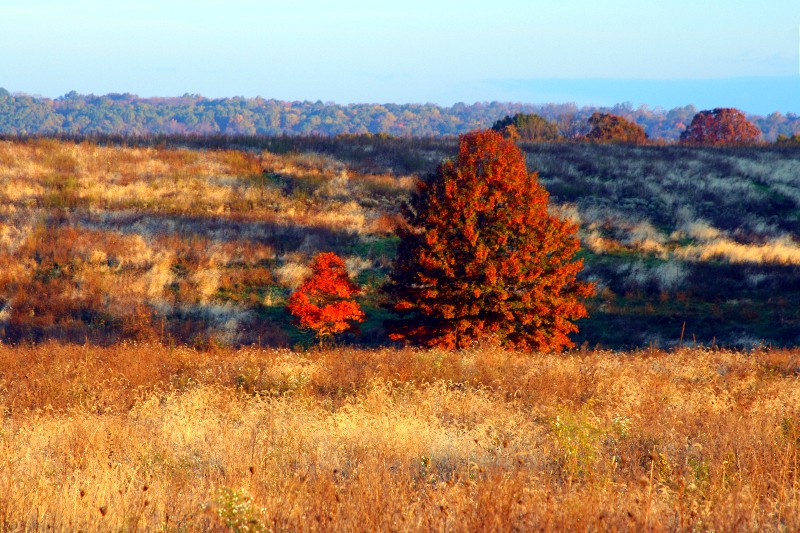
[742, 54]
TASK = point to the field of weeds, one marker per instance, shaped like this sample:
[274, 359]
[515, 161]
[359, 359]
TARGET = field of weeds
[144, 437]
[702, 241]
[200, 241]
[104, 243]
[146, 381]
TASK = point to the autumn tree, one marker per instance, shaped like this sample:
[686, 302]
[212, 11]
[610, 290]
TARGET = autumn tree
[323, 302]
[527, 127]
[721, 126]
[605, 127]
[481, 256]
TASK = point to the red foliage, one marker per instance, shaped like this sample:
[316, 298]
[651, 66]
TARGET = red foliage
[721, 126]
[322, 302]
[481, 256]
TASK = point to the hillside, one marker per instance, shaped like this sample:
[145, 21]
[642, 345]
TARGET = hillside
[204, 245]
[201, 241]
[701, 240]
[143, 383]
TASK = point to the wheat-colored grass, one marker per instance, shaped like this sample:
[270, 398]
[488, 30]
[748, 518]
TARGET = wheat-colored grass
[783, 251]
[108, 232]
[189, 182]
[144, 437]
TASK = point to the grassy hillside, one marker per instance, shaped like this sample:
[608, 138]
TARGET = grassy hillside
[154, 273]
[144, 437]
[200, 240]
[674, 235]
[189, 245]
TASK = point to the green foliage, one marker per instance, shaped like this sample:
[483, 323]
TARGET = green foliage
[527, 127]
[238, 512]
[579, 440]
[785, 140]
[127, 114]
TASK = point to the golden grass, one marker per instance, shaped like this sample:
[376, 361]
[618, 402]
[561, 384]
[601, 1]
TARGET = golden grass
[145, 437]
[783, 251]
[108, 232]
[708, 244]
[228, 183]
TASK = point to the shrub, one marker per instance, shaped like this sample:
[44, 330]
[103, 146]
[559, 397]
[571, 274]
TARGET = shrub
[481, 256]
[785, 140]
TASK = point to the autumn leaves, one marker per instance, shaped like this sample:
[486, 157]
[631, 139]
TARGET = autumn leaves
[479, 258]
[323, 302]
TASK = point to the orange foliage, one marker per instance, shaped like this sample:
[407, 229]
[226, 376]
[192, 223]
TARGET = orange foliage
[322, 302]
[721, 126]
[482, 257]
[614, 128]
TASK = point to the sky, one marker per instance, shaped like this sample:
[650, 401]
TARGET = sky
[710, 53]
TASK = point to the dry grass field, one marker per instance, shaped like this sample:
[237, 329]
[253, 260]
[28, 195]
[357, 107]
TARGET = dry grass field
[200, 241]
[144, 438]
[138, 284]
[104, 243]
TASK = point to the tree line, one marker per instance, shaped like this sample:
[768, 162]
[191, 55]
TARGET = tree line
[128, 114]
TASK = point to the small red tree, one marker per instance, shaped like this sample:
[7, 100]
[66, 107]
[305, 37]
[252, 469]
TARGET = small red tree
[322, 302]
[481, 256]
[721, 126]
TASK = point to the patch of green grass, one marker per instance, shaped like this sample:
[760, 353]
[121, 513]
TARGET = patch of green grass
[375, 247]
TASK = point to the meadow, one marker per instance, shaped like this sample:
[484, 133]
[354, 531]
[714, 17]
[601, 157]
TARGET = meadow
[150, 378]
[200, 240]
[108, 243]
[144, 437]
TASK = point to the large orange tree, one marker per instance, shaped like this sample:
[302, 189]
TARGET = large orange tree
[481, 256]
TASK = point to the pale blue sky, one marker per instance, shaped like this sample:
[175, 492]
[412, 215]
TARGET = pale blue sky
[408, 51]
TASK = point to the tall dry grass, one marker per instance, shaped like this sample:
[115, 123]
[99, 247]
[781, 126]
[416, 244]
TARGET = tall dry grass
[299, 189]
[144, 438]
[112, 242]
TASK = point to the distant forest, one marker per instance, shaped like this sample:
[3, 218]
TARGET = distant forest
[128, 114]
